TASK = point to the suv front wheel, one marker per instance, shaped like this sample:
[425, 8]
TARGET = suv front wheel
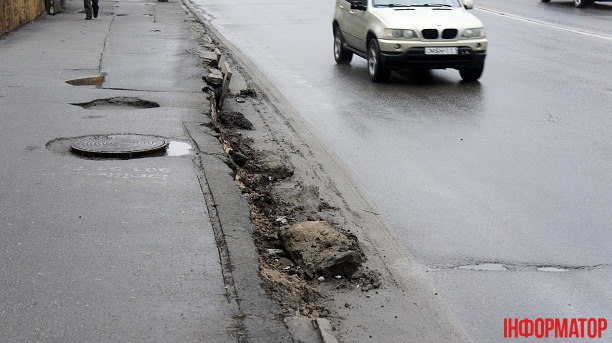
[471, 74]
[378, 73]
[342, 55]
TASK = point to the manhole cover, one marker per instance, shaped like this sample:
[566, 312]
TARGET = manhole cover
[118, 145]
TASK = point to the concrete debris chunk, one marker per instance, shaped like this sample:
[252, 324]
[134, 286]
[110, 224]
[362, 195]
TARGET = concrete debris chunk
[320, 249]
[326, 331]
[275, 166]
[208, 57]
[207, 40]
[214, 77]
[302, 329]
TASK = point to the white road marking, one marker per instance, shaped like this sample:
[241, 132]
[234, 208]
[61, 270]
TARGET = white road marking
[546, 24]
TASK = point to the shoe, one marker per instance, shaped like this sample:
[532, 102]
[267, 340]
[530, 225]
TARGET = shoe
[95, 12]
[87, 18]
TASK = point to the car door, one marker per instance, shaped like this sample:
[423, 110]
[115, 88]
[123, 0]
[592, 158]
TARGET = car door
[355, 25]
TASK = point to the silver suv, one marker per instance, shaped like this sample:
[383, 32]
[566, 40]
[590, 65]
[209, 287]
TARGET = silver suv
[410, 34]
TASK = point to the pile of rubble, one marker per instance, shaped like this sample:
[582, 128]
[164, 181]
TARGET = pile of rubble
[300, 248]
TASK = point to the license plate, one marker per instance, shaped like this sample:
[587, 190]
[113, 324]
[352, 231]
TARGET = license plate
[441, 51]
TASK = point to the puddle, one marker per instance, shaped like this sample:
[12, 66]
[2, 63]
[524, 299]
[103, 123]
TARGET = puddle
[179, 149]
[88, 81]
[551, 269]
[115, 103]
[485, 267]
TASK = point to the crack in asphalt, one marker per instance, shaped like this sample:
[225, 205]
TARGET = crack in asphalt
[500, 266]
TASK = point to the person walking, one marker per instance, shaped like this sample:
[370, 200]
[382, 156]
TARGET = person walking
[91, 7]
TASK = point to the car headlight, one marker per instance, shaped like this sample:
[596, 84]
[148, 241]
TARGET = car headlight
[473, 33]
[400, 34]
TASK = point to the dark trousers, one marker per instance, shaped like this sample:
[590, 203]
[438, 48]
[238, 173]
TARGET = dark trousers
[91, 6]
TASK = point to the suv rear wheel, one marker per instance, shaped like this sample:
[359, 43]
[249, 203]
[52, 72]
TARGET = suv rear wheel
[342, 55]
[582, 3]
[378, 73]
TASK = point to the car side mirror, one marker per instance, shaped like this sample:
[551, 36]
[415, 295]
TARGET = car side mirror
[468, 4]
[357, 5]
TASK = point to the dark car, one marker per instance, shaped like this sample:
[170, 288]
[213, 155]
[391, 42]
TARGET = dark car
[582, 3]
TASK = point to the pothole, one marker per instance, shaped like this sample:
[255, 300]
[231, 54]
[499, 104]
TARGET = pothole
[114, 103]
[88, 81]
[118, 145]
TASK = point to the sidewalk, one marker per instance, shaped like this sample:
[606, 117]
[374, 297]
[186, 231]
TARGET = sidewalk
[119, 250]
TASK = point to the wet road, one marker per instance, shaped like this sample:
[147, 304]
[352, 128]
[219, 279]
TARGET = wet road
[512, 173]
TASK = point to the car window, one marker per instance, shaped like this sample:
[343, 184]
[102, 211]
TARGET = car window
[417, 3]
[363, 2]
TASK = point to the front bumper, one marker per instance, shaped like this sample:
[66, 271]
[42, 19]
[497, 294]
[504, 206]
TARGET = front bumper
[415, 58]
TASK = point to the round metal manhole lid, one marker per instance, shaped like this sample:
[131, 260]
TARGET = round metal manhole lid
[118, 145]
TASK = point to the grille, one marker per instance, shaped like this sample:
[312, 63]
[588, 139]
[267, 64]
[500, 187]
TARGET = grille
[449, 33]
[430, 34]
[434, 34]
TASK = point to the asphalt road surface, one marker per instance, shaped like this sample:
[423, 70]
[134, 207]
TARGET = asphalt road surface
[500, 189]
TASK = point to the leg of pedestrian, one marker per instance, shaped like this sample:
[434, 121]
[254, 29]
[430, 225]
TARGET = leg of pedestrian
[95, 8]
[88, 9]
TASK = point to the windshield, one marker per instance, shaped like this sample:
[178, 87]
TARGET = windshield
[416, 3]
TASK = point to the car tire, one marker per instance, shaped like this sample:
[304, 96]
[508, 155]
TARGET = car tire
[377, 72]
[582, 3]
[342, 55]
[471, 74]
